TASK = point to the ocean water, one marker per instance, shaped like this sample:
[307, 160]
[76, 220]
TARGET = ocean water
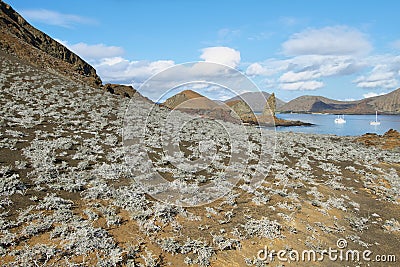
[355, 124]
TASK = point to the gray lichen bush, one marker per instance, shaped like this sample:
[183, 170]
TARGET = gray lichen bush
[98, 189]
[356, 239]
[255, 262]
[7, 238]
[53, 202]
[150, 260]
[37, 255]
[10, 183]
[391, 225]
[82, 238]
[358, 223]
[165, 213]
[109, 213]
[263, 228]
[335, 202]
[201, 251]
[169, 245]
[224, 243]
[109, 257]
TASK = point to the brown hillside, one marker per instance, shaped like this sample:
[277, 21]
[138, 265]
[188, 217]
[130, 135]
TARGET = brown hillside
[189, 99]
[389, 103]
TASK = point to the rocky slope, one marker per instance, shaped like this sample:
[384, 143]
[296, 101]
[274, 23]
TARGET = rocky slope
[256, 100]
[389, 104]
[21, 39]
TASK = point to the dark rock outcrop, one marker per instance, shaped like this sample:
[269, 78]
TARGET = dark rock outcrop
[31, 45]
[118, 89]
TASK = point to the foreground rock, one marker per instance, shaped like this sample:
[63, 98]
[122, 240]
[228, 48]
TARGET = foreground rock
[389, 140]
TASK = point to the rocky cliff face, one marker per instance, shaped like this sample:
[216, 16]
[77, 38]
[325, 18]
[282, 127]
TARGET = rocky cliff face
[242, 110]
[21, 39]
[256, 100]
[271, 105]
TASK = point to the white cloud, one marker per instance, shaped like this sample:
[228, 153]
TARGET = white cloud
[305, 69]
[372, 94]
[123, 70]
[381, 76]
[312, 65]
[222, 55]
[302, 85]
[256, 69]
[55, 18]
[96, 51]
[336, 40]
[291, 76]
[93, 53]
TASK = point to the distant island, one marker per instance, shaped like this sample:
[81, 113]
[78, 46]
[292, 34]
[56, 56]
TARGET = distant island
[236, 110]
[384, 104]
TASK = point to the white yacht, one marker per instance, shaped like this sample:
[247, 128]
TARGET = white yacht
[340, 119]
[376, 122]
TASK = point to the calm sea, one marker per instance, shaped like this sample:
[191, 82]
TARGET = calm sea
[355, 124]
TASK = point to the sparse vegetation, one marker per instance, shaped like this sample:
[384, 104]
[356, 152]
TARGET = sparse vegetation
[68, 197]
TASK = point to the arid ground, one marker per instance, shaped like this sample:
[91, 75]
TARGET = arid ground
[69, 198]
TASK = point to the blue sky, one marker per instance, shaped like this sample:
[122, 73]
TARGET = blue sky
[338, 49]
